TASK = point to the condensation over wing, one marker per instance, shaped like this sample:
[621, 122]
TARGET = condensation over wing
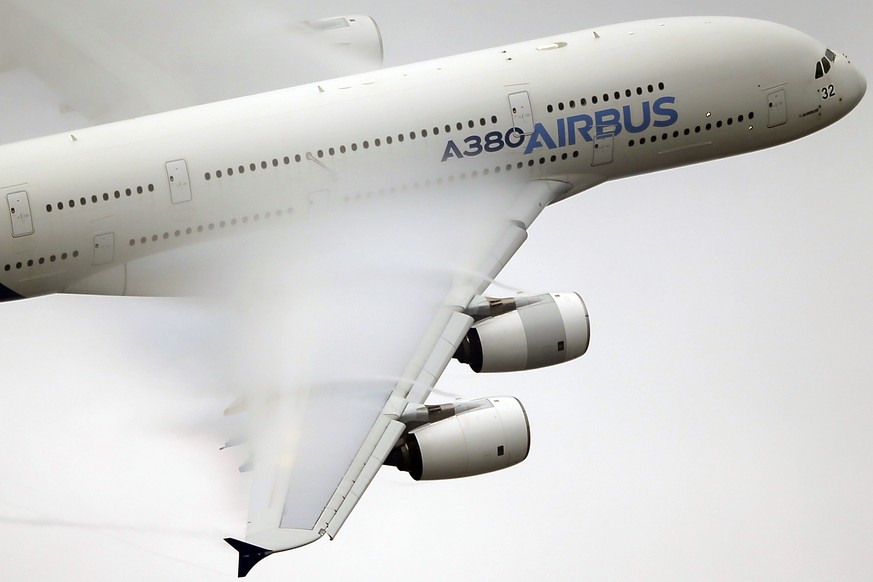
[317, 446]
[101, 61]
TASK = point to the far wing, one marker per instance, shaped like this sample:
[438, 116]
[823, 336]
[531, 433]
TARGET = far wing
[107, 61]
[308, 479]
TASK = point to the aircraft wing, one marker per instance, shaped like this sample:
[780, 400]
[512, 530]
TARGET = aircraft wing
[102, 61]
[316, 449]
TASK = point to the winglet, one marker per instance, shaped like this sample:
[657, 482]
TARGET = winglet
[249, 555]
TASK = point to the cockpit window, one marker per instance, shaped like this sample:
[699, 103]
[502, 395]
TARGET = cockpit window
[824, 65]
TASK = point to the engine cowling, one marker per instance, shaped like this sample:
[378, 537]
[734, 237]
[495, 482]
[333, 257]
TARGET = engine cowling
[542, 330]
[484, 435]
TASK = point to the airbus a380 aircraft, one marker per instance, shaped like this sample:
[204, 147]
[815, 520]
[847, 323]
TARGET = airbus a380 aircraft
[101, 210]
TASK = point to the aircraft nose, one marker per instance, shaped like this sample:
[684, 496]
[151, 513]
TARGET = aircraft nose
[856, 85]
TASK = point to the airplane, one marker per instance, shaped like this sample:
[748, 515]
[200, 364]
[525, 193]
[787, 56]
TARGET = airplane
[479, 144]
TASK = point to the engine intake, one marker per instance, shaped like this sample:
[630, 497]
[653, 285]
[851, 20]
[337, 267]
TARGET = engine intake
[526, 332]
[484, 435]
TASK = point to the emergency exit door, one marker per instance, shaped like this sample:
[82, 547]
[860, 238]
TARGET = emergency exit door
[776, 111]
[522, 114]
[180, 186]
[19, 212]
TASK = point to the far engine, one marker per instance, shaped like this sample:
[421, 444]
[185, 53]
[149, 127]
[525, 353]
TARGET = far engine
[467, 439]
[525, 332]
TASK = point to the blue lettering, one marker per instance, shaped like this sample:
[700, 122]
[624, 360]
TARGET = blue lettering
[452, 151]
[511, 142]
[608, 122]
[672, 116]
[562, 133]
[585, 130]
[629, 120]
[538, 134]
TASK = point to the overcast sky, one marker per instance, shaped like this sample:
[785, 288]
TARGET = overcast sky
[719, 427]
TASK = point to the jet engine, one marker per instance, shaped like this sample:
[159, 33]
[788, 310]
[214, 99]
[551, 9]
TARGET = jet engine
[525, 332]
[470, 438]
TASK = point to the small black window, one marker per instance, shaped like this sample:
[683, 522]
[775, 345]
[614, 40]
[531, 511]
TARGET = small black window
[82, 201]
[297, 157]
[263, 167]
[606, 97]
[583, 102]
[830, 55]
[572, 104]
[218, 173]
[470, 124]
[661, 86]
[500, 451]
[594, 99]
[286, 160]
[493, 119]
[377, 142]
[48, 207]
[276, 162]
[627, 93]
[617, 95]
[93, 198]
[151, 187]
[827, 65]
[106, 196]
[230, 171]
[71, 203]
[651, 89]
[560, 106]
[331, 151]
[252, 167]
[819, 72]
[242, 169]
[639, 90]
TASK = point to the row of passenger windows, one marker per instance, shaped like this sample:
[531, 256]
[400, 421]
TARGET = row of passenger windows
[41, 261]
[697, 129]
[210, 226]
[366, 144]
[233, 222]
[94, 199]
[616, 95]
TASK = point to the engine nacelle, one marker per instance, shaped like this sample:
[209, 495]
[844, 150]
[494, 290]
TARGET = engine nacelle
[527, 333]
[484, 435]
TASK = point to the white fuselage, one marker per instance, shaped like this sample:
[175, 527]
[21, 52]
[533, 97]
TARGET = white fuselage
[85, 209]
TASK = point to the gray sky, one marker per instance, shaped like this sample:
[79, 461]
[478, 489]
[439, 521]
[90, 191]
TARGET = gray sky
[719, 427]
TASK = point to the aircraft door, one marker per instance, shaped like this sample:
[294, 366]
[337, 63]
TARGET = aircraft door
[180, 185]
[776, 110]
[602, 150]
[522, 113]
[104, 248]
[19, 212]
